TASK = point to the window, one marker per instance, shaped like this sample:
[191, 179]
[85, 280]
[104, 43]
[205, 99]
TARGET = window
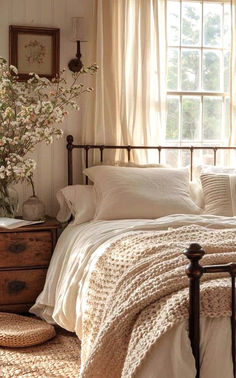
[198, 72]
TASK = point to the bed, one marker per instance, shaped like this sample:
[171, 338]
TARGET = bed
[121, 284]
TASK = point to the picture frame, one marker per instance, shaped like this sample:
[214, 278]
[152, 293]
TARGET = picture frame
[34, 49]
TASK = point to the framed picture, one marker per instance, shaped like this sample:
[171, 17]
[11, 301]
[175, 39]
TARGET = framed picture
[34, 49]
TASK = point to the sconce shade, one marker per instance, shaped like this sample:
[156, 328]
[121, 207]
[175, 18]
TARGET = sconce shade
[79, 29]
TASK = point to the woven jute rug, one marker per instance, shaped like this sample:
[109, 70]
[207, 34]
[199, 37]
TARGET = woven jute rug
[59, 357]
[21, 331]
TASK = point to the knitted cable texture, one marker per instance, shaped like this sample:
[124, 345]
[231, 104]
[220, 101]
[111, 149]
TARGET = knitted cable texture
[138, 290]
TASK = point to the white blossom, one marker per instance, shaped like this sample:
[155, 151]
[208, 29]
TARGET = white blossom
[30, 113]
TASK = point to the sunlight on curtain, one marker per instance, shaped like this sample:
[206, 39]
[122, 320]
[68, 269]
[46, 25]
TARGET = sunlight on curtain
[129, 103]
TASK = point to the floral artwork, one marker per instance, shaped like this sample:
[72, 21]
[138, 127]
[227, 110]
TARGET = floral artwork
[30, 113]
[35, 51]
[34, 54]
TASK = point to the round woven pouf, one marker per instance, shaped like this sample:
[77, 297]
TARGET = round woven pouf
[18, 331]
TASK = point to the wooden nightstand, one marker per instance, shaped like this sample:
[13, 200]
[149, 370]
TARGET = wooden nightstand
[25, 253]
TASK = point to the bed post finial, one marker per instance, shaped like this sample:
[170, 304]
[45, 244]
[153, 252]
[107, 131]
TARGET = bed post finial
[194, 253]
[70, 141]
[69, 147]
[194, 272]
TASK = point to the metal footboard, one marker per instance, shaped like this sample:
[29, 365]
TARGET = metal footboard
[194, 271]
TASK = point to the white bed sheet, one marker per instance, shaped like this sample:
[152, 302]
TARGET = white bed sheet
[62, 299]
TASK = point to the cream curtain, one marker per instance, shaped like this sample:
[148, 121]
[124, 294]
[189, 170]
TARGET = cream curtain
[233, 76]
[129, 103]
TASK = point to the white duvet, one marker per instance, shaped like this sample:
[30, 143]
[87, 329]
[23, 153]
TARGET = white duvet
[63, 299]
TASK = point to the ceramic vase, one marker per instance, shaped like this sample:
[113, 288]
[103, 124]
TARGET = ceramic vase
[33, 209]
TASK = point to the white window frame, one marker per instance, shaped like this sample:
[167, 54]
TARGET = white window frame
[200, 94]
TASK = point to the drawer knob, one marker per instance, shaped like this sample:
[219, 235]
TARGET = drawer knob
[15, 287]
[17, 248]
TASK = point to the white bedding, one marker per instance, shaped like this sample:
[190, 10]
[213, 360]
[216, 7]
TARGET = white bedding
[62, 300]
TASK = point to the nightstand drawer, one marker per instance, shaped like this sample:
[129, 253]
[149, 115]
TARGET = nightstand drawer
[21, 286]
[25, 249]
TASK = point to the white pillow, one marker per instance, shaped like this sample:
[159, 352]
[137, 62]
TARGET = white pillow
[123, 193]
[200, 169]
[219, 193]
[76, 200]
[196, 193]
[137, 165]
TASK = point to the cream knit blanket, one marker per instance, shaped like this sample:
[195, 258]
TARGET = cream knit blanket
[138, 290]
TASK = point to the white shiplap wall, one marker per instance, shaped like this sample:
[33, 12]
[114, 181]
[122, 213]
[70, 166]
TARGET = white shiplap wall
[51, 173]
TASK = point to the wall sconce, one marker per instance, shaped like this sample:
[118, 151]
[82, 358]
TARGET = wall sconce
[79, 34]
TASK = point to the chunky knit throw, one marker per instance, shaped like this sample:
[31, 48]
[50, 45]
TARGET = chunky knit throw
[138, 290]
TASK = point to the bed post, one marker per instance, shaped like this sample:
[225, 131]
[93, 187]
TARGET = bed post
[194, 271]
[69, 147]
[233, 275]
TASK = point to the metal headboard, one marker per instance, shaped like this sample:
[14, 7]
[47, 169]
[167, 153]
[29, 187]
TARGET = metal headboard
[87, 147]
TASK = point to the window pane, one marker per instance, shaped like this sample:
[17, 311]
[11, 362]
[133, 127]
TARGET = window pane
[212, 24]
[172, 158]
[212, 116]
[190, 69]
[211, 70]
[227, 26]
[226, 71]
[173, 30]
[191, 23]
[227, 117]
[207, 157]
[172, 126]
[197, 158]
[191, 117]
[172, 80]
[185, 158]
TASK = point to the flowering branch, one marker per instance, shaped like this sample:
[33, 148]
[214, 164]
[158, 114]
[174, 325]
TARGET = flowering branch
[30, 113]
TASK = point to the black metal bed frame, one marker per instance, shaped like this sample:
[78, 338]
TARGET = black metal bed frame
[194, 271]
[88, 147]
[194, 253]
